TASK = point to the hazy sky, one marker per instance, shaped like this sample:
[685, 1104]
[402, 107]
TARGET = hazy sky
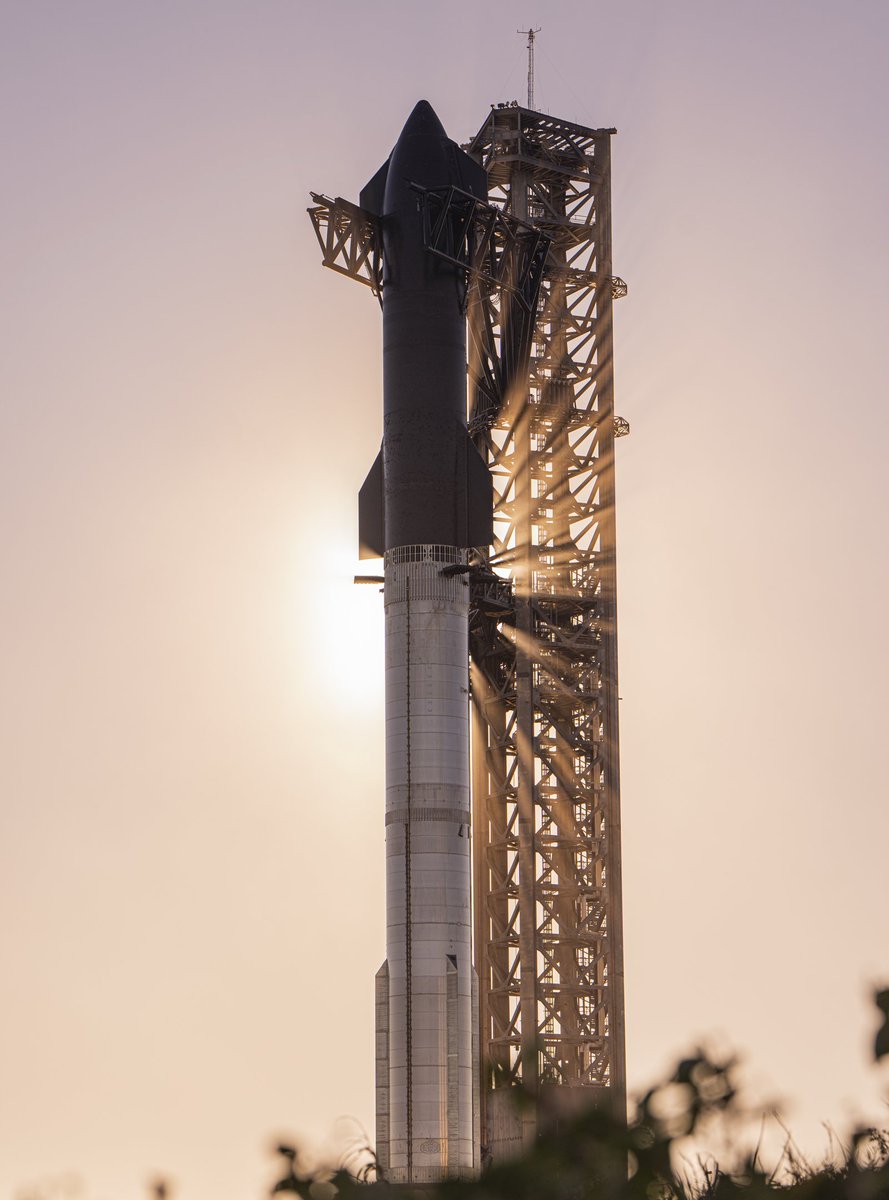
[191, 850]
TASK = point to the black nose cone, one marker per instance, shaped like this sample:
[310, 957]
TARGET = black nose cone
[423, 122]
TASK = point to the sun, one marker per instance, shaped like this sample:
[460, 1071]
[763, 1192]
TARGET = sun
[343, 635]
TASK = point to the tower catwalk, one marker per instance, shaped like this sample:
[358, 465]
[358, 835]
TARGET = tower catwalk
[512, 240]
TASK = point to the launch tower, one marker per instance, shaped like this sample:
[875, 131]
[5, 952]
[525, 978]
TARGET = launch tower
[546, 779]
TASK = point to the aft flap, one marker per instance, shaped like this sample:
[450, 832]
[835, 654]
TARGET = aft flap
[371, 519]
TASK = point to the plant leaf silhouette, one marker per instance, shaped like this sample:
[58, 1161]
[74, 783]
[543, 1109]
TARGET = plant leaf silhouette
[881, 1043]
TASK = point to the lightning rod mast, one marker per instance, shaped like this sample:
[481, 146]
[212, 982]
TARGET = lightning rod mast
[530, 34]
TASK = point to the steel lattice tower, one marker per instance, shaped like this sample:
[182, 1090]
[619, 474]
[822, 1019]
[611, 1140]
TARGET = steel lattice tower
[546, 781]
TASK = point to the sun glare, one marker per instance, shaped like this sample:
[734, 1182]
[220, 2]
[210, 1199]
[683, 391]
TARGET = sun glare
[346, 637]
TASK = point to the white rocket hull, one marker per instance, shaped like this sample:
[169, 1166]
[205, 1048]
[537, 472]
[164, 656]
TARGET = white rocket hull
[426, 1042]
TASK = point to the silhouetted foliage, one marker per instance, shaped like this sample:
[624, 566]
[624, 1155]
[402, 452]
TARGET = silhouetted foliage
[596, 1158]
[881, 1045]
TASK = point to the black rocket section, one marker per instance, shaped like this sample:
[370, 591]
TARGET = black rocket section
[429, 485]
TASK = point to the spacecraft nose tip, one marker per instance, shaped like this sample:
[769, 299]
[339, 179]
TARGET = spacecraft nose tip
[423, 120]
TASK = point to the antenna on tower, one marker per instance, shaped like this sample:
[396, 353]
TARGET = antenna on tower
[531, 35]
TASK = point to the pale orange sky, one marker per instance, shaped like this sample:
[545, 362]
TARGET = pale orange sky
[191, 850]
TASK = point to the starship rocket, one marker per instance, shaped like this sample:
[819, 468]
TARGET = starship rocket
[426, 502]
